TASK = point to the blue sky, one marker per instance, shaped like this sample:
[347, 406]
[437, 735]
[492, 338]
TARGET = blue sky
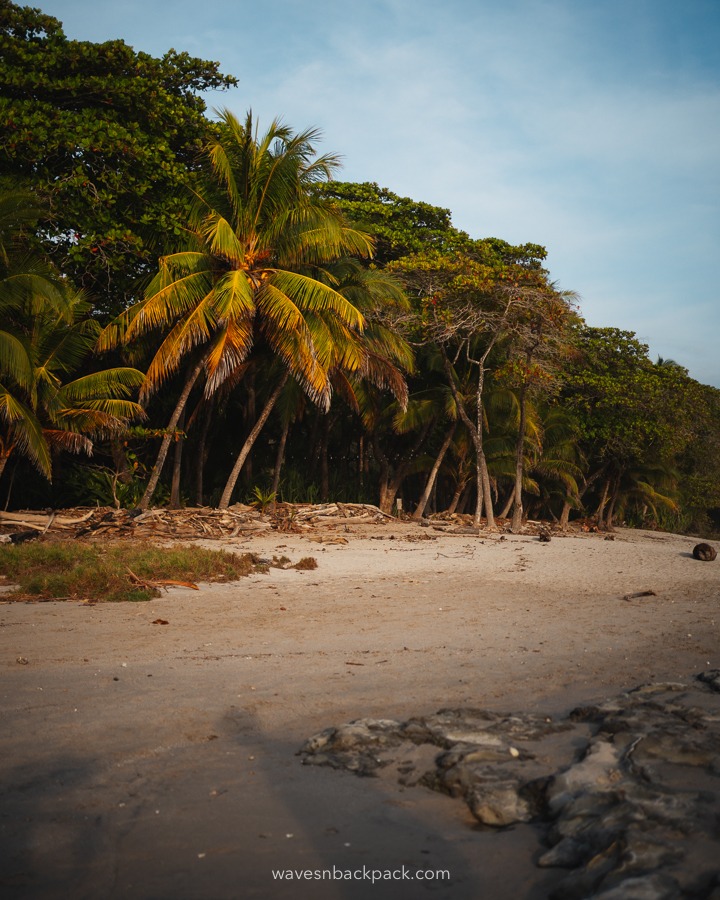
[589, 126]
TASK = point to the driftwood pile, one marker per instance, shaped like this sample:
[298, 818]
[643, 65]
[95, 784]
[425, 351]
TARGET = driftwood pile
[238, 520]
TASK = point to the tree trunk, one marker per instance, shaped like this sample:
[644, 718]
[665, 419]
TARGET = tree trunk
[324, 462]
[122, 469]
[517, 517]
[361, 464]
[280, 458]
[613, 501]
[383, 484]
[420, 508]
[506, 509]
[601, 506]
[565, 516]
[465, 498]
[484, 495]
[249, 416]
[172, 425]
[459, 488]
[248, 445]
[397, 479]
[177, 466]
[313, 452]
[201, 458]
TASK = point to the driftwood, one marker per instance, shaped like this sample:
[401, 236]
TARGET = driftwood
[160, 582]
[239, 520]
[42, 521]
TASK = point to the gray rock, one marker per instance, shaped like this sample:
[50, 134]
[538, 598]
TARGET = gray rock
[499, 804]
[625, 793]
[648, 887]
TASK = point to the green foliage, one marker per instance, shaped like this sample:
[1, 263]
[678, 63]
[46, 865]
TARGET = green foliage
[400, 225]
[46, 334]
[262, 498]
[626, 406]
[110, 135]
[71, 570]
[404, 227]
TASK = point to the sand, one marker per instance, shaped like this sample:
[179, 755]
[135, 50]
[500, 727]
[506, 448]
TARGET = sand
[147, 760]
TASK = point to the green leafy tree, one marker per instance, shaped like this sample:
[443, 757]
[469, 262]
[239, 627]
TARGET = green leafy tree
[400, 226]
[634, 416]
[110, 135]
[468, 304]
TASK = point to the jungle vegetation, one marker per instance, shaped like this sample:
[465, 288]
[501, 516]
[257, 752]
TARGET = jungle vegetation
[194, 310]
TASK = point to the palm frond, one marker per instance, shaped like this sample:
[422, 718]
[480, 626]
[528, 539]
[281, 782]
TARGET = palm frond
[25, 431]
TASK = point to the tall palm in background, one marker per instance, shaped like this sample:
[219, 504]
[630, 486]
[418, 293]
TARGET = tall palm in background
[256, 236]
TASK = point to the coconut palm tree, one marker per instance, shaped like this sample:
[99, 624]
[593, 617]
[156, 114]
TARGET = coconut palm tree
[255, 236]
[46, 334]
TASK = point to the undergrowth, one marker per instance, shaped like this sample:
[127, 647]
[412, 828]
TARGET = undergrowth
[69, 570]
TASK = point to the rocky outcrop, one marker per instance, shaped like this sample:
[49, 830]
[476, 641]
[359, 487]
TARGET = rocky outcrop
[625, 795]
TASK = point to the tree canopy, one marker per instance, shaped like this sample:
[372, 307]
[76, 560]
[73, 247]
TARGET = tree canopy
[110, 136]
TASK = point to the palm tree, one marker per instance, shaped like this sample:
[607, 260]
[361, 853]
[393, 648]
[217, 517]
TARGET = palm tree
[256, 235]
[45, 336]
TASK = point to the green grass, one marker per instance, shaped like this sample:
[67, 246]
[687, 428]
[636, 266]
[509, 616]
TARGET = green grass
[71, 570]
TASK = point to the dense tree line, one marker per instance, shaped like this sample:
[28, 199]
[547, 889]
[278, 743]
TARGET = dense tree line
[196, 311]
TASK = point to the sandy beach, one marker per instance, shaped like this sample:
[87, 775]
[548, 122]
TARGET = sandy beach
[147, 760]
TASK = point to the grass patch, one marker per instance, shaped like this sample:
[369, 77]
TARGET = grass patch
[306, 564]
[70, 570]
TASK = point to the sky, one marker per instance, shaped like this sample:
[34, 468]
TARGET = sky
[591, 127]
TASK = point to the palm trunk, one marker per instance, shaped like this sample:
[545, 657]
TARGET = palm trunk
[395, 484]
[249, 442]
[384, 480]
[506, 509]
[420, 508]
[279, 459]
[565, 516]
[361, 464]
[177, 466]
[516, 524]
[482, 478]
[324, 462]
[609, 516]
[465, 498]
[601, 505]
[172, 425]
[201, 459]
[459, 488]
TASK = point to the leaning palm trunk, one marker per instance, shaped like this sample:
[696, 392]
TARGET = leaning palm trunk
[172, 425]
[248, 445]
[177, 467]
[420, 508]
